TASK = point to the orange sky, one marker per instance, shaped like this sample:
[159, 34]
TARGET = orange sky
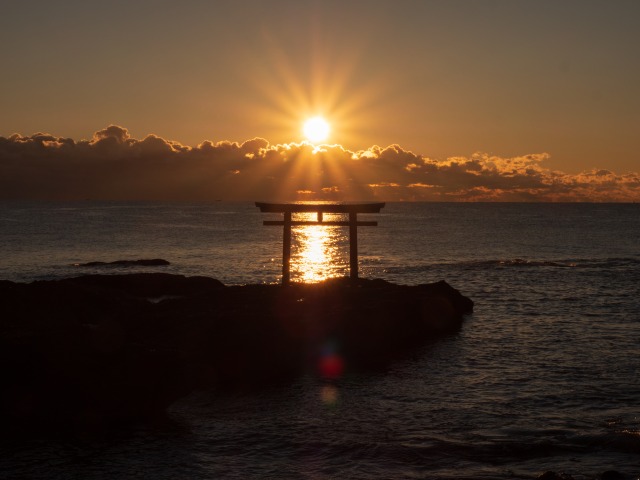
[480, 84]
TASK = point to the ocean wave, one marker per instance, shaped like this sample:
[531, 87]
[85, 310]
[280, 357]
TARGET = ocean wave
[602, 263]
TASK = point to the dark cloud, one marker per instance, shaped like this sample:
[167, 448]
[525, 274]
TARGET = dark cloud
[115, 166]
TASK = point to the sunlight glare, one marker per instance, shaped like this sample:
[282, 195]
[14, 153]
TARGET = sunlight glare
[316, 129]
[316, 257]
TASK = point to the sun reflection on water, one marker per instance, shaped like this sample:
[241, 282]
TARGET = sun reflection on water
[316, 253]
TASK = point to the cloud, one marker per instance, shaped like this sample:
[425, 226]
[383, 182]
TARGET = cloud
[121, 135]
[114, 166]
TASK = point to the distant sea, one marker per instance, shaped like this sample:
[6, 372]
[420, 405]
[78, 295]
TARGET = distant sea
[545, 375]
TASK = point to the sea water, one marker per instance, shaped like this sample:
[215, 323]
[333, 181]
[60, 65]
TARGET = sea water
[545, 375]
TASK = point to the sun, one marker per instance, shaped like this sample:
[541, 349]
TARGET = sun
[316, 129]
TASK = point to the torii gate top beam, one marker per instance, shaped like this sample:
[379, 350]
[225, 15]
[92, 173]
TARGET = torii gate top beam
[320, 207]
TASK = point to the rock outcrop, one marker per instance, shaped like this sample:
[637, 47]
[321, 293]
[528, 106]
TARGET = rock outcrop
[84, 352]
[152, 262]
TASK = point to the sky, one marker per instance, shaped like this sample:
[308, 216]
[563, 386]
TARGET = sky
[496, 100]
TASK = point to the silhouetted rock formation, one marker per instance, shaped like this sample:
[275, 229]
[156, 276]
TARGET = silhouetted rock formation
[153, 262]
[89, 350]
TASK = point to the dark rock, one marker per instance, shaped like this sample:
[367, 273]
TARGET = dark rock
[93, 350]
[612, 475]
[150, 285]
[154, 262]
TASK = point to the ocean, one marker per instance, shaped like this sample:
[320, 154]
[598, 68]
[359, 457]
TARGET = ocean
[545, 375]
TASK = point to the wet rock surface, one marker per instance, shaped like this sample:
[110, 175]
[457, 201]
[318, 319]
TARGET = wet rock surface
[86, 351]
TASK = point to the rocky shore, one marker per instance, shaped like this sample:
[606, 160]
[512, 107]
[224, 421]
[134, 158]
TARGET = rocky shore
[88, 351]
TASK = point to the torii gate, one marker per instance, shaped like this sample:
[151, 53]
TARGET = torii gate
[350, 208]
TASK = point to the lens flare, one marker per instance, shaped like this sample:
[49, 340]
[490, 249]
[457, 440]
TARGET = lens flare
[329, 395]
[330, 363]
